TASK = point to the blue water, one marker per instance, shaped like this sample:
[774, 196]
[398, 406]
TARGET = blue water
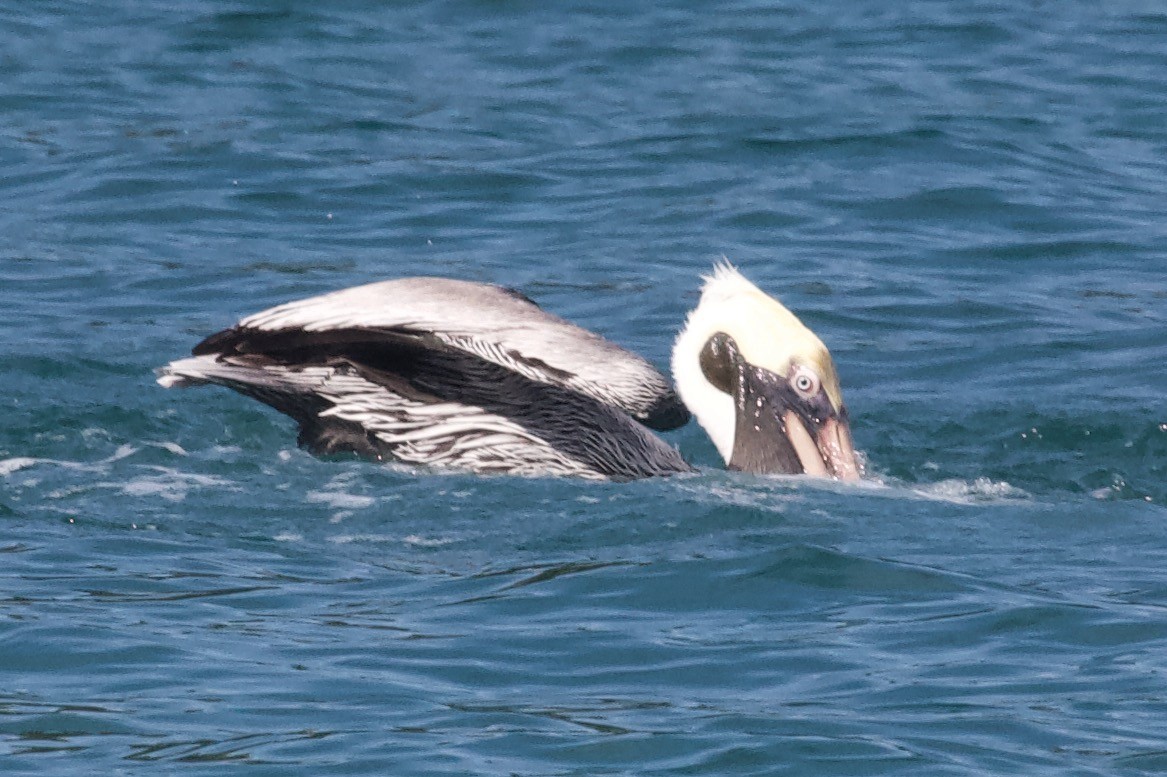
[965, 200]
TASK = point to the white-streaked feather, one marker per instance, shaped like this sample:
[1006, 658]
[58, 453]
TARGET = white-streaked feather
[490, 322]
[444, 435]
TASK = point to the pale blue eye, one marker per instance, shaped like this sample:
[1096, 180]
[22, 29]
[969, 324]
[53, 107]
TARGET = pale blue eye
[805, 383]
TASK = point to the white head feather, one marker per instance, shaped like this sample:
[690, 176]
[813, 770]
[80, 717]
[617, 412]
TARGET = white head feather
[767, 335]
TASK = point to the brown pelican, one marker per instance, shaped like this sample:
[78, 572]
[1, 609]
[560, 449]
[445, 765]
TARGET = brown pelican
[476, 377]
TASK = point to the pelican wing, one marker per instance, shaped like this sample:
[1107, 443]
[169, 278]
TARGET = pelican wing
[497, 325]
[447, 373]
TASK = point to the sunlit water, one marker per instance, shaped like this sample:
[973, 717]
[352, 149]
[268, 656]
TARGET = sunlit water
[965, 201]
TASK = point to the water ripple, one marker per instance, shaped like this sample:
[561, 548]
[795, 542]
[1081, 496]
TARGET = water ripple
[964, 201]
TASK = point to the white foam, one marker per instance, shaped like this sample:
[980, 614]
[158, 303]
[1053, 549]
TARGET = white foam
[368, 537]
[347, 539]
[425, 542]
[968, 492]
[339, 500]
[171, 485]
[781, 490]
[172, 447]
[123, 452]
[16, 463]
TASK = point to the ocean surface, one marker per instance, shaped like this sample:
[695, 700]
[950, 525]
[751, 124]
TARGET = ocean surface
[967, 201]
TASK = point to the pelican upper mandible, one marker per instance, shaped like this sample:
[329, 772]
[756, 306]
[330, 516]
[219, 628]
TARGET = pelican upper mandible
[475, 377]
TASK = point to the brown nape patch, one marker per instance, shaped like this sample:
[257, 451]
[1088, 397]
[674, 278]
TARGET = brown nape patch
[719, 359]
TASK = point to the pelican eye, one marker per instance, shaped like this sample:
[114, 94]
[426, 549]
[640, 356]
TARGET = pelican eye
[805, 382]
[717, 362]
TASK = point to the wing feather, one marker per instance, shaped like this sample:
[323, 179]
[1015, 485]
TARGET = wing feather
[449, 374]
[491, 322]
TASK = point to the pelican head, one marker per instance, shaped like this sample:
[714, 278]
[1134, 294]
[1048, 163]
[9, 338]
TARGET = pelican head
[762, 385]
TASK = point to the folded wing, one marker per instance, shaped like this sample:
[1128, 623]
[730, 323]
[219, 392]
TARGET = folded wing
[447, 373]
